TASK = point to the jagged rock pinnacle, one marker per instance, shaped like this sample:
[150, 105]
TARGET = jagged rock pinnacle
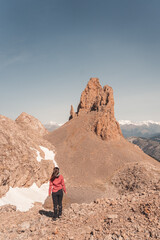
[100, 100]
[72, 113]
[96, 98]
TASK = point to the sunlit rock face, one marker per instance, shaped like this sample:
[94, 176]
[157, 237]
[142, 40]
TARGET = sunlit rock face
[90, 147]
[28, 122]
[22, 159]
[100, 100]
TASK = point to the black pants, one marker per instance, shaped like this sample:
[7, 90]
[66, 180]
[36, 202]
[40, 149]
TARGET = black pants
[57, 202]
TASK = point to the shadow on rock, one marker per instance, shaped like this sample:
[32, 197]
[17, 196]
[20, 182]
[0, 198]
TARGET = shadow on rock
[46, 213]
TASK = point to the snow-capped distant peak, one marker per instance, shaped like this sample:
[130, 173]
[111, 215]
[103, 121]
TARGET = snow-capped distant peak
[124, 122]
[140, 123]
[50, 126]
[51, 123]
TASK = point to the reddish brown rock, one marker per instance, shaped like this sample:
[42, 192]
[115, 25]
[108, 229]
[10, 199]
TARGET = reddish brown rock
[100, 100]
[18, 153]
[28, 122]
[108, 219]
[90, 148]
[92, 168]
[90, 97]
[96, 98]
[72, 113]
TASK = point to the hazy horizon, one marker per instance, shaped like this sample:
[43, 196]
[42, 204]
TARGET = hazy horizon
[50, 49]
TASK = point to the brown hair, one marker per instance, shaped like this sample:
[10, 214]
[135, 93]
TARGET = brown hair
[54, 174]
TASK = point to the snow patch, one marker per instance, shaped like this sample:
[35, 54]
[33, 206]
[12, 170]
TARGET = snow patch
[49, 155]
[51, 123]
[136, 123]
[51, 126]
[39, 158]
[123, 122]
[24, 198]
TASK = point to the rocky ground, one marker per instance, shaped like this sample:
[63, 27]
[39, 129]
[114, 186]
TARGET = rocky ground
[133, 215]
[96, 161]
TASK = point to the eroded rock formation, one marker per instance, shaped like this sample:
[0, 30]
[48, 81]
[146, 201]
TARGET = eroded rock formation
[96, 98]
[72, 113]
[90, 147]
[19, 142]
[100, 100]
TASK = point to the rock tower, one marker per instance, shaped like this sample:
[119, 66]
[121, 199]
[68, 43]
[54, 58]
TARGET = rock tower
[100, 100]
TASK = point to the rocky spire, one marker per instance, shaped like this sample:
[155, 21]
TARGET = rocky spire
[72, 113]
[96, 98]
[100, 100]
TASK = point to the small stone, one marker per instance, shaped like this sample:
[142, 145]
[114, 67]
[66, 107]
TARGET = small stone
[71, 238]
[55, 231]
[25, 225]
[108, 237]
[120, 238]
[91, 238]
[112, 216]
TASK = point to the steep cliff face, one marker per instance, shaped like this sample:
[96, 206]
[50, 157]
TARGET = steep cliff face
[94, 98]
[22, 159]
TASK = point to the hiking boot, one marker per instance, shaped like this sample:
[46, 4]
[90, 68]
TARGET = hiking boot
[60, 212]
[55, 215]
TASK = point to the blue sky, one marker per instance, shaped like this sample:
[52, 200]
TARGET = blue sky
[49, 50]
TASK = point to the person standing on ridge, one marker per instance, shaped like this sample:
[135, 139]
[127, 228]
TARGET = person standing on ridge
[56, 187]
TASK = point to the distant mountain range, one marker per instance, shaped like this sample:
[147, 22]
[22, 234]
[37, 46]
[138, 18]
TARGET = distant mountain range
[51, 126]
[156, 138]
[139, 129]
[129, 128]
[145, 134]
[150, 146]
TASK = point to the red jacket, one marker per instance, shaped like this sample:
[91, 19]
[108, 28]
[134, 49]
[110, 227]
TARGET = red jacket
[57, 184]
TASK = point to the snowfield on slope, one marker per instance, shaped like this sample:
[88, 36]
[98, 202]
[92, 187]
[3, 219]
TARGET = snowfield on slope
[24, 198]
[49, 155]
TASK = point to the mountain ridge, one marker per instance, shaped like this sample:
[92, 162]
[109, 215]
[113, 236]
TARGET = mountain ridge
[129, 128]
[138, 123]
[115, 182]
[78, 145]
[21, 153]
